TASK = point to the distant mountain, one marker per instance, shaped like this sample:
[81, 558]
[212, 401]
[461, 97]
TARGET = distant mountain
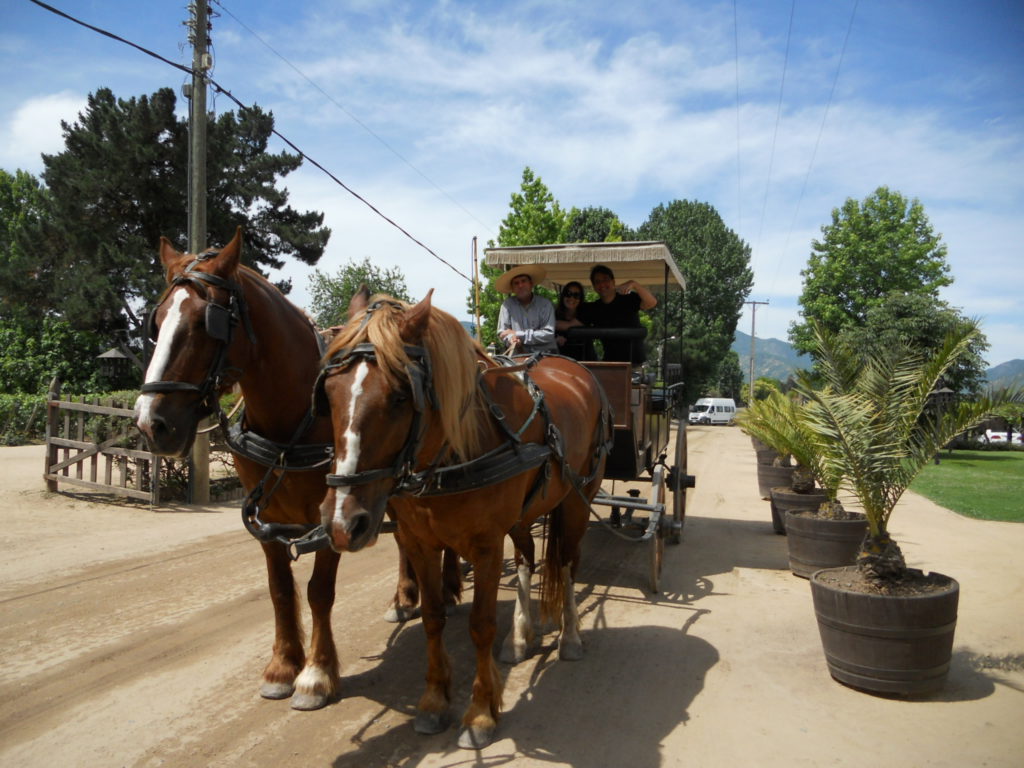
[777, 360]
[773, 358]
[1006, 374]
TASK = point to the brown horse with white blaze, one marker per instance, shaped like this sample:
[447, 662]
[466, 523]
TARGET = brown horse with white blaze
[464, 452]
[218, 324]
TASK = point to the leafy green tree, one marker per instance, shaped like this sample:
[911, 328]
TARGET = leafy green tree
[25, 284]
[120, 184]
[330, 295]
[873, 249]
[29, 358]
[920, 321]
[593, 225]
[764, 386]
[535, 218]
[730, 376]
[716, 265]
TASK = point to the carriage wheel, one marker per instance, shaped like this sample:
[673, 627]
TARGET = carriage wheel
[657, 541]
[679, 485]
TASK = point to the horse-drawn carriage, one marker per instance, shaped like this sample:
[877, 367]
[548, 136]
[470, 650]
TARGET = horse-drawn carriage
[643, 403]
[422, 425]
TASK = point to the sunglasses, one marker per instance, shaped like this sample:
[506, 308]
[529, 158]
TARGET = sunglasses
[572, 295]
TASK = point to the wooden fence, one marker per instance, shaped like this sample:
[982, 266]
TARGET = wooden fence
[74, 457]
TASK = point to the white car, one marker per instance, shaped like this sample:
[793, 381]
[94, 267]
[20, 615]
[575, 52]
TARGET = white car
[993, 437]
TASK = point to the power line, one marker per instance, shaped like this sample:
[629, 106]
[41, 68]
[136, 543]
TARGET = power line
[285, 139]
[351, 116]
[739, 177]
[775, 135]
[814, 154]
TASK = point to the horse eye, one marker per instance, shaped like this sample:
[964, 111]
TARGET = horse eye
[399, 397]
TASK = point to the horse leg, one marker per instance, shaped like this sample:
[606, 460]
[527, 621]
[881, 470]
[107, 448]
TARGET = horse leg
[573, 519]
[319, 682]
[481, 718]
[452, 580]
[433, 710]
[288, 657]
[521, 640]
[407, 592]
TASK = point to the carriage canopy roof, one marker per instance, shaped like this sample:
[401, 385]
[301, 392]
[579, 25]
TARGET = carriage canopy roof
[648, 263]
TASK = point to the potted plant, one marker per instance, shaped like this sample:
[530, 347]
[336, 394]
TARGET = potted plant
[820, 532]
[886, 627]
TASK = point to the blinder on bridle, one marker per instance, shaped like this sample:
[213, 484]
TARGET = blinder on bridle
[219, 322]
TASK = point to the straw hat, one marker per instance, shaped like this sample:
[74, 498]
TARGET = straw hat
[503, 283]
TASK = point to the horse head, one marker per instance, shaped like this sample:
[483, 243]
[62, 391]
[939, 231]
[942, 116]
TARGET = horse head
[194, 359]
[375, 379]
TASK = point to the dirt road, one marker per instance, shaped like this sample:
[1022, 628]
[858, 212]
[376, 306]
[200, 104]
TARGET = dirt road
[134, 637]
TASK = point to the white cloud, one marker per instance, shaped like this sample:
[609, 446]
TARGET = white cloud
[34, 129]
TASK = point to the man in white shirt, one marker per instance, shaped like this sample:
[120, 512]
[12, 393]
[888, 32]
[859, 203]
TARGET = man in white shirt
[526, 322]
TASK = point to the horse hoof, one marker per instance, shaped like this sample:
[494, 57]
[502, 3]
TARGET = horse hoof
[276, 690]
[570, 651]
[429, 723]
[475, 738]
[307, 702]
[397, 615]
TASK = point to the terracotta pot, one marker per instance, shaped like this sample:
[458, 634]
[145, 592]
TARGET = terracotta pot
[817, 542]
[769, 477]
[785, 498]
[893, 644]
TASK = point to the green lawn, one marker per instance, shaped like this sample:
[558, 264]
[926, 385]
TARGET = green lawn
[985, 484]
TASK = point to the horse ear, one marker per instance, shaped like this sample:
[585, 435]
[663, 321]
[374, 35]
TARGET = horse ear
[169, 255]
[227, 260]
[359, 301]
[414, 324]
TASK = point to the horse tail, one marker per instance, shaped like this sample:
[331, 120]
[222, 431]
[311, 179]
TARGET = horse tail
[552, 584]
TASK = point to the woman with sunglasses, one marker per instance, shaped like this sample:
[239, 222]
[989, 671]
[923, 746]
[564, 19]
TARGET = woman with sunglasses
[569, 301]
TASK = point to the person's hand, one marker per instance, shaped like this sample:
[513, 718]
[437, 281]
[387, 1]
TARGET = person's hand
[626, 287]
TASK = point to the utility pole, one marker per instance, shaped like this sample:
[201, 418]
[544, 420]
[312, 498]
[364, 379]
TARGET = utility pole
[753, 318]
[199, 30]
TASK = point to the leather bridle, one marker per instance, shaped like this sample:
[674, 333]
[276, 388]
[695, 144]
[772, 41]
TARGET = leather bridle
[220, 322]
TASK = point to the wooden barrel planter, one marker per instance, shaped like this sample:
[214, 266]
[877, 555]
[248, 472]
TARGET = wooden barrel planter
[785, 498]
[766, 455]
[817, 542]
[892, 644]
[769, 476]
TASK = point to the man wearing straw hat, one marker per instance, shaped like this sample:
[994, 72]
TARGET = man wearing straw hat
[526, 322]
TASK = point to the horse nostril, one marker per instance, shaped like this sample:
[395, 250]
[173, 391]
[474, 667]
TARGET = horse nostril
[359, 526]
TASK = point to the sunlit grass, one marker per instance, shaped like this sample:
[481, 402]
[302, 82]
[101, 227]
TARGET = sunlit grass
[988, 485]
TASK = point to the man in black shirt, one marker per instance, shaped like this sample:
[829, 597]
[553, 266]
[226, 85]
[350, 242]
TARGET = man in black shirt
[617, 307]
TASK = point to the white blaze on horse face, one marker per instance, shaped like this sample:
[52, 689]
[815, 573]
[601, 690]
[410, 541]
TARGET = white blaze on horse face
[161, 355]
[346, 465]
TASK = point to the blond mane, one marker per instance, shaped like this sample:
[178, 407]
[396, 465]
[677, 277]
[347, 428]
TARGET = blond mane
[453, 361]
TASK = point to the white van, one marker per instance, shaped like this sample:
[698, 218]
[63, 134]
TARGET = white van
[713, 410]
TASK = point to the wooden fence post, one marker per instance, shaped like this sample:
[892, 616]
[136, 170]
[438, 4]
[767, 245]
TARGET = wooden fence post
[52, 426]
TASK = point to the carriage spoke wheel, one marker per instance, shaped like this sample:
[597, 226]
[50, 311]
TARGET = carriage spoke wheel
[657, 541]
[679, 483]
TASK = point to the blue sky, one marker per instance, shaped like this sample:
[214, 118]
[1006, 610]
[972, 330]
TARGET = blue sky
[431, 110]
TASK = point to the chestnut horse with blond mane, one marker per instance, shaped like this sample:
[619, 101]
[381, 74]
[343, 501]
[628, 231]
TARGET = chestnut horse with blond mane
[218, 324]
[463, 451]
